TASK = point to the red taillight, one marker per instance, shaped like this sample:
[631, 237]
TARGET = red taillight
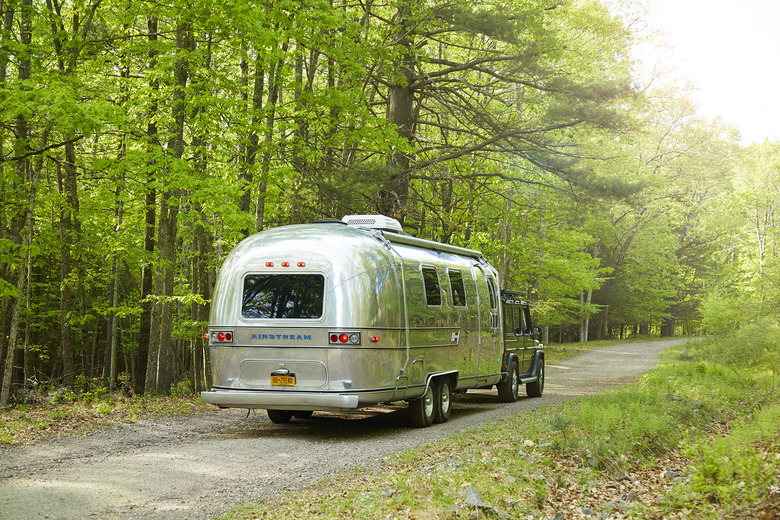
[285, 264]
[269, 264]
[224, 336]
[374, 339]
[301, 264]
[344, 338]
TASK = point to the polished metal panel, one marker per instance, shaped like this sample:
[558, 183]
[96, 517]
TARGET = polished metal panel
[256, 373]
[373, 286]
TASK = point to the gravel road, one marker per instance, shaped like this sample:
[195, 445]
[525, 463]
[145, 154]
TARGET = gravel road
[199, 467]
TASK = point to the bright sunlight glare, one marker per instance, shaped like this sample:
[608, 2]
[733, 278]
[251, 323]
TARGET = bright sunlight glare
[727, 49]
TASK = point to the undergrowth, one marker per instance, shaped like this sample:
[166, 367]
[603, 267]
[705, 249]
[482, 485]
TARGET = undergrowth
[43, 412]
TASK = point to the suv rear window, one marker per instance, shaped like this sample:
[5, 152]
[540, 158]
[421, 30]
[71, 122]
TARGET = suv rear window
[283, 296]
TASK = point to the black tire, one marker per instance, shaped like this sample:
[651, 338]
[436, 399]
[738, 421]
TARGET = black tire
[302, 414]
[423, 409]
[280, 416]
[536, 388]
[443, 401]
[507, 390]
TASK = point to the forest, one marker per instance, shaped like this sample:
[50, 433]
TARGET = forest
[140, 141]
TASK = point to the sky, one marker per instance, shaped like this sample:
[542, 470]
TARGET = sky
[730, 51]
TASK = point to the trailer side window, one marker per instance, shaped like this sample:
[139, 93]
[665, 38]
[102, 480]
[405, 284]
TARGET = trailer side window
[458, 288]
[432, 287]
[492, 290]
[283, 296]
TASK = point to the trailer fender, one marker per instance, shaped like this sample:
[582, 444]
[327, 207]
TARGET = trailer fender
[452, 375]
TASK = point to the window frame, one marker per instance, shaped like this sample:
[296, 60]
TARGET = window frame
[322, 296]
[462, 288]
[429, 290]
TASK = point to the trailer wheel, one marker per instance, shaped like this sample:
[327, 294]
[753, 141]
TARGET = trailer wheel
[422, 410]
[536, 388]
[443, 402]
[280, 416]
[507, 390]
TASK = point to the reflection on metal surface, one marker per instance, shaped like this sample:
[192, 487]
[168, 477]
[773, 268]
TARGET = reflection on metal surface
[359, 316]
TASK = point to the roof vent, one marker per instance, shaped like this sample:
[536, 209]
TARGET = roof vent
[373, 222]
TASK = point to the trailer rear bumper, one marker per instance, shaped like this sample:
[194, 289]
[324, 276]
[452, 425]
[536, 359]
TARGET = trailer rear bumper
[269, 400]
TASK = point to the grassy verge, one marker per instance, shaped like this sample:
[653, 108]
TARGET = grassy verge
[692, 439]
[62, 411]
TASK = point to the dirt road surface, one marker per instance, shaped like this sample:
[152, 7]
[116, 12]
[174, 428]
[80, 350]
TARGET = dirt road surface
[199, 467]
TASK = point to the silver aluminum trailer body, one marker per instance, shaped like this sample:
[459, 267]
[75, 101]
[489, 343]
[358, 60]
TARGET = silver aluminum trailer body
[328, 316]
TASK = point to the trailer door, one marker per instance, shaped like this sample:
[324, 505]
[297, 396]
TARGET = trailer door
[489, 338]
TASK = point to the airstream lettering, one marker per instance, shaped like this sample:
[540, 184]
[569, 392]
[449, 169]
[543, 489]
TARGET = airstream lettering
[339, 315]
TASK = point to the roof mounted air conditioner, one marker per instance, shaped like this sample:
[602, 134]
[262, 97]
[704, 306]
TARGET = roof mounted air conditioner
[373, 222]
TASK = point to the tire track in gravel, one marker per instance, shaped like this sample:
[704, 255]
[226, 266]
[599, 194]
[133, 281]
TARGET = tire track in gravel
[199, 467]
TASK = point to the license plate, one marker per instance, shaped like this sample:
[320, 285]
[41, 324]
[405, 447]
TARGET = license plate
[282, 379]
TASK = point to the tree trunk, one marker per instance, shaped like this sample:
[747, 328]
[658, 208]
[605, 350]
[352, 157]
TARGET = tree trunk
[159, 376]
[400, 113]
[112, 347]
[667, 329]
[253, 139]
[585, 320]
[150, 221]
[273, 96]
[644, 328]
[66, 237]
[21, 225]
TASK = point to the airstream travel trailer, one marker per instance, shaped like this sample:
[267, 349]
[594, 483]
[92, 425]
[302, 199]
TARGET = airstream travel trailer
[339, 315]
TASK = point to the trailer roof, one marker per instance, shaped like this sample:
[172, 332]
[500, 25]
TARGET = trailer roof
[391, 229]
[409, 240]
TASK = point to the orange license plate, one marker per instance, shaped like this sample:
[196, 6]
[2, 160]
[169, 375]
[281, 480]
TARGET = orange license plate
[282, 379]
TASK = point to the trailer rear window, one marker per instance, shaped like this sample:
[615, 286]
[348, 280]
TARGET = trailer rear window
[283, 296]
